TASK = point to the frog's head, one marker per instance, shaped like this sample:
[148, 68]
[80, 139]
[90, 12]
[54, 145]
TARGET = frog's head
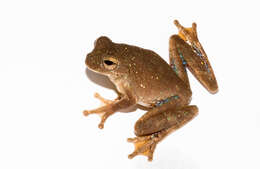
[105, 57]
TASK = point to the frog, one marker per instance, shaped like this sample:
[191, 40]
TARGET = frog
[142, 77]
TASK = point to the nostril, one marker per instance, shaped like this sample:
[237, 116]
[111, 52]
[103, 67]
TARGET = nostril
[88, 55]
[87, 60]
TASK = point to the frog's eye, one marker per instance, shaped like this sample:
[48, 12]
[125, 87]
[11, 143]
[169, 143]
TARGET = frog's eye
[110, 63]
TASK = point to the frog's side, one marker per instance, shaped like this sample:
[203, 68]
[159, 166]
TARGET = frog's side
[143, 77]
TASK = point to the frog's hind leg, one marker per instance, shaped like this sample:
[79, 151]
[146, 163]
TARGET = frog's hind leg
[186, 51]
[177, 61]
[155, 125]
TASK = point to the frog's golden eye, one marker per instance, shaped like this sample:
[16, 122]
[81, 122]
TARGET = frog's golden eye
[110, 63]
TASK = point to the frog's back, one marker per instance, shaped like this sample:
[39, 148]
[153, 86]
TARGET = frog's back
[151, 77]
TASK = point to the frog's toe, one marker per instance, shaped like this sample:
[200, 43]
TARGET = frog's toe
[102, 99]
[101, 125]
[132, 155]
[86, 112]
[132, 140]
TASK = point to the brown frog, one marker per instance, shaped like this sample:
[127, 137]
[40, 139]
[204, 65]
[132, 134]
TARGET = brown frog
[142, 77]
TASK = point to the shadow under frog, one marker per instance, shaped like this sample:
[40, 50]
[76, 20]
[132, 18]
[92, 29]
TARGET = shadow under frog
[142, 77]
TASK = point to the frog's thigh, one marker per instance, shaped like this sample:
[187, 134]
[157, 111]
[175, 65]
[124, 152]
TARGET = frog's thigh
[158, 119]
[177, 61]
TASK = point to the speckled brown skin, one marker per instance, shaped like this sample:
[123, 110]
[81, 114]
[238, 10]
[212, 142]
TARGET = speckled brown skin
[143, 77]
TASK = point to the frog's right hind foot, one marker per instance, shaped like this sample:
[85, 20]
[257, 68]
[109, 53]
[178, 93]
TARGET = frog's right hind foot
[188, 34]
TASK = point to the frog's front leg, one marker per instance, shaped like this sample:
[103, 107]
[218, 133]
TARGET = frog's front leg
[156, 124]
[110, 107]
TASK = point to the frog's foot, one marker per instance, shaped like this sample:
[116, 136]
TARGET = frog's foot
[188, 34]
[104, 111]
[144, 145]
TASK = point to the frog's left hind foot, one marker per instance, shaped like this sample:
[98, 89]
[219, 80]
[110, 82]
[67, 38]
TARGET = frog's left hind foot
[153, 127]
[144, 145]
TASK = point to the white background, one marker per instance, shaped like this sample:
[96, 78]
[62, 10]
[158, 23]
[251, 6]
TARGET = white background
[44, 87]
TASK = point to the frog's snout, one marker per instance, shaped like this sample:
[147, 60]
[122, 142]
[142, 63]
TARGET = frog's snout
[92, 62]
[87, 59]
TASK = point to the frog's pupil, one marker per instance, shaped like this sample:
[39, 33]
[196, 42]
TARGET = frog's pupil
[108, 62]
